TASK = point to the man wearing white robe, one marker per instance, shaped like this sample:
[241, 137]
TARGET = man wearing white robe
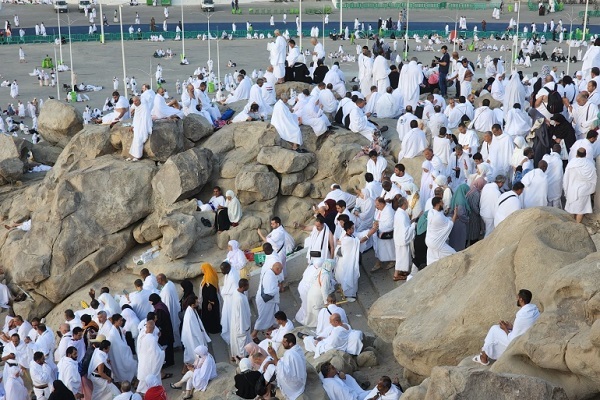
[150, 358]
[108, 302]
[365, 75]
[304, 286]
[42, 376]
[376, 165]
[383, 225]
[336, 340]
[501, 151]
[169, 296]
[139, 300]
[293, 53]
[327, 99]
[500, 336]
[347, 269]
[404, 234]
[456, 112]
[442, 148]
[123, 365]
[340, 386]
[45, 344]
[16, 353]
[384, 390]
[120, 110]
[411, 77]
[268, 88]
[68, 371]
[508, 203]
[359, 122]
[142, 127]
[192, 333]
[150, 281]
[242, 91]
[386, 106]
[277, 56]
[207, 105]
[518, 122]
[588, 144]
[292, 366]
[381, 72]
[267, 299]
[161, 110]
[372, 101]
[286, 124]
[333, 77]
[311, 114]
[459, 164]
[415, 141]
[230, 285]
[484, 118]
[63, 343]
[322, 285]
[438, 230]
[535, 193]
[579, 182]
[591, 59]
[323, 325]
[239, 321]
[274, 338]
[403, 126]
[437, 121]
[584, 114]
[554, 175]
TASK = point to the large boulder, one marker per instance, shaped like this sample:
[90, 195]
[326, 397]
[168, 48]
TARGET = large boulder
[46, 154]
[166, 139]
[284, 161]
[13, 155]
[58, 122]
[563, 346]
[464, 383]
[178, 233]
[286, 87]
[522, 252]
[256, 183]
[196, 127]
[183, 175]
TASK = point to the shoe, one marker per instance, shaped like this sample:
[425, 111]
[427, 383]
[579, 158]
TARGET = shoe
[172, 385]
[383, 129]
[301, 335]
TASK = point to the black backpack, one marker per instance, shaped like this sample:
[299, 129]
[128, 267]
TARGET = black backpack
[555, 102]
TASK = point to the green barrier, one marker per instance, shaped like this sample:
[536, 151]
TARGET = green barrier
[165, 2]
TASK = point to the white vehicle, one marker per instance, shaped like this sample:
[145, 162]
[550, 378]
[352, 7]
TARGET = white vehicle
[208, 5]
[83, 4]
[60, 6]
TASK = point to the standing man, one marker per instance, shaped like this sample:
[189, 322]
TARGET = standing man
[277, 240]
[231, 278]
[404, 234]
[438, 230]
[444, 67]
[163, 322]
[41, 376]
[277, 56]
[168, 295]
[150, 281]
[579, 182]
[150, 357]
[68, 371]
[383, 230]
[267, 299]
[239, 322]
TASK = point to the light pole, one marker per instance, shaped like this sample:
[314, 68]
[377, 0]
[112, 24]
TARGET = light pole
[57, 83]
[182, 34]
[406, 33]
[300, 22]
[123, 49]
[585, 18]
[101, 23]
[516, 37]
[71, 56]
[341, 14]
[59, 37]
[455, 31]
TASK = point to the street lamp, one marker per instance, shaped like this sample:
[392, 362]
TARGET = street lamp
[208, 15]
[59, 37]
[123, 49]
[57, 82]
[300, 22]
[406, 34]
[341, 14]
[101, 23]
[585, 18]
[182, 34]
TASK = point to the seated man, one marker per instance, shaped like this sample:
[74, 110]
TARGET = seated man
[336, 340]
[385, 390]
[275, 336]
[214, 202]
[340, 386]
[500, 336]
[323, 325]
[120, 111]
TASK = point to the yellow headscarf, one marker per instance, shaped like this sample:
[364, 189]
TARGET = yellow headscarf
[210, 276]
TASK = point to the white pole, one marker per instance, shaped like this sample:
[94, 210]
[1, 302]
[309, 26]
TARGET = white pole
[341, 14]
[323, 27]
[218, 66]
[516, 41]
[150, 74]
[208, 35]
[570, 41]
[300, 22]
[56, 73]
[406, 34]
[585, 18]
[182, 34]
[59, 38]
[101, 23]
[71, 57]
[123, 50]
[455, 33]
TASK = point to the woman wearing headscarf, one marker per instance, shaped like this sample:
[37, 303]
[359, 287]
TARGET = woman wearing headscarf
[236, 258]
[426, 191]
[329, 212]
[188, 295]
[420, 247]
[475, 227]
[199, 373]
[230, 214]
[245, 381]
[442, 182]
[60, 392]
[458, 234]
[155, 389]
[514, 93]
[561, 130]
[209, 289]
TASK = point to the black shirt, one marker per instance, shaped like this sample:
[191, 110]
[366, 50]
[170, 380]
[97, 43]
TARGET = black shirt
[446, 59]
[245, 383]
[394, 77]
[319, 73]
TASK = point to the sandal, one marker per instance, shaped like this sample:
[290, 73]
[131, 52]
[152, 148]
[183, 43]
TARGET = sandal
[390, 266]
[167, 376]
[172, 385]
[399, 278]
[477, 359]
[376, 268]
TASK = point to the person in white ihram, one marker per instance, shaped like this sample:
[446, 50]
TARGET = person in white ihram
[501, 335]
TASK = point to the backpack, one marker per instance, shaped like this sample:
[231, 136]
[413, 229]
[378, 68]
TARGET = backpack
[433, 79]
[227, 114]
[555, 103]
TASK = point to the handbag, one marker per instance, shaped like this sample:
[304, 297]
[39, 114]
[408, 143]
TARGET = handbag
[317, 253]
[564, 154]
[386, 235]
[266, 297]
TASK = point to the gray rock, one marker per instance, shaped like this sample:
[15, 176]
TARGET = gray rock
[13, 154]
[284, 161]
[45, 153]
[11, 170]
[58, 122]
[183, 175]
[256, 183]
[367, 359]
[179, 234]
[196, 127]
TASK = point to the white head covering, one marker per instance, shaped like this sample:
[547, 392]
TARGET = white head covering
[236, 257]
[245, 364]
[441, 180]
[234, 207]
